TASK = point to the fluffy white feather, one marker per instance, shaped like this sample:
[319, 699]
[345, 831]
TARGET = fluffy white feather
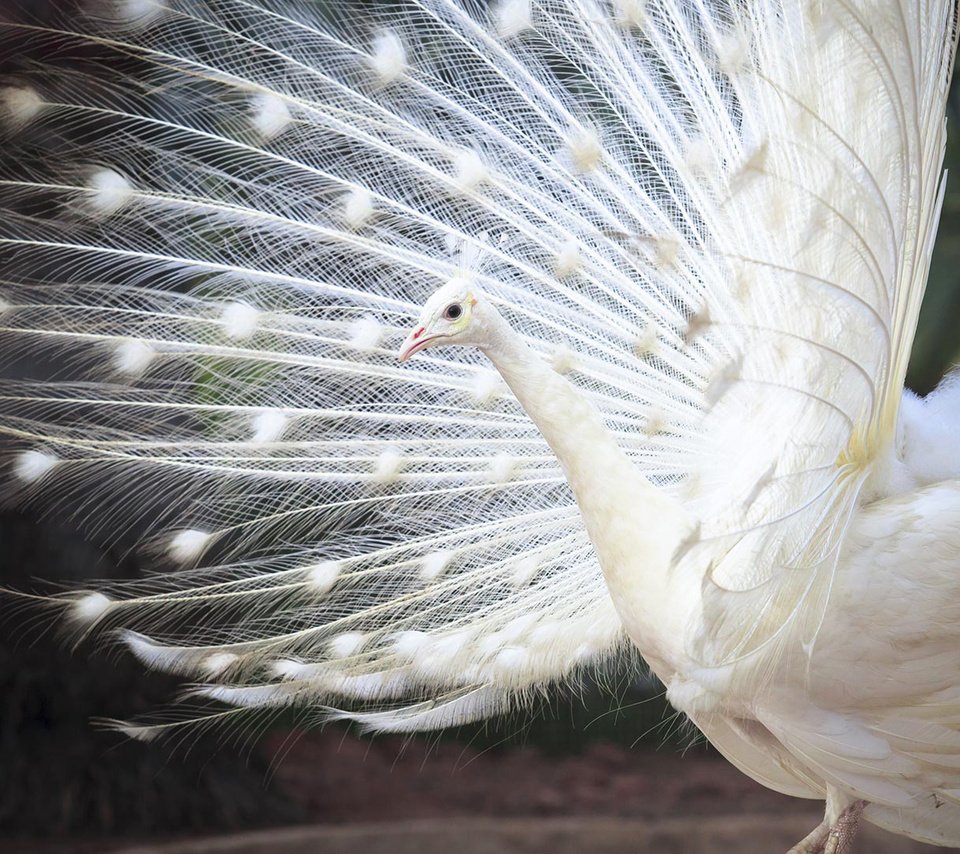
[19, 104]
[32, 465]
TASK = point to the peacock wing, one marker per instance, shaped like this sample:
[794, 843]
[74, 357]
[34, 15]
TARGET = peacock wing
[825, 229]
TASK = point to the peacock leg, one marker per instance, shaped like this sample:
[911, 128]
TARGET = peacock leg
[840, 839]
[813, 842]
[836, 838]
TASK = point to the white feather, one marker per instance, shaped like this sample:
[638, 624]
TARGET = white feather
[109, 192]
[512, 17]
[270, 115]
[469, 169]
[584, 149]
[568, 260]
[187, 545]
[389, 57]
[139, 13]
[347, 644]
[367, 333]
[323, 576]
[90, 607]
[19, 105]
[409, 644]
[630, 13]
[435, 564]
[30, 466]
[358, 207]
[217, 663]
[268, 426]
[239, 320]
[133, 357]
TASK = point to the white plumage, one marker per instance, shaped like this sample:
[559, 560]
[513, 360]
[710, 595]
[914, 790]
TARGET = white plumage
[691, 237]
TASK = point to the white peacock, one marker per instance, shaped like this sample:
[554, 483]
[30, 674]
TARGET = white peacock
[696, 237]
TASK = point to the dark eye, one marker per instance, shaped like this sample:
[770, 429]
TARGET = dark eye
[452, 311]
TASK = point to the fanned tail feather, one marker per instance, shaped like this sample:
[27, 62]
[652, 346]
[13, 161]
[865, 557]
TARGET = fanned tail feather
[219, 228]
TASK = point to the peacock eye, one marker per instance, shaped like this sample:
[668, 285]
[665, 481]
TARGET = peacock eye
[453, 311]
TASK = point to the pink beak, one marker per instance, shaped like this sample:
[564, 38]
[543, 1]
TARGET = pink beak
[413, 343]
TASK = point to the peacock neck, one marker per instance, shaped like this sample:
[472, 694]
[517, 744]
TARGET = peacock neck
[635, 528]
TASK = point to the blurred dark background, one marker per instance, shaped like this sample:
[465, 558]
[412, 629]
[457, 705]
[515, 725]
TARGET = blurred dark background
[68, 785]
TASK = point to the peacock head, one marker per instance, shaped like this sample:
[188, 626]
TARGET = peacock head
[455, 314]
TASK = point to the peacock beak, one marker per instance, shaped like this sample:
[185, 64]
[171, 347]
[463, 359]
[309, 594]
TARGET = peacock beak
[414, 342]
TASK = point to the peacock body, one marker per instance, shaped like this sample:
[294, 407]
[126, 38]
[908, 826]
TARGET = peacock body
[687, 243]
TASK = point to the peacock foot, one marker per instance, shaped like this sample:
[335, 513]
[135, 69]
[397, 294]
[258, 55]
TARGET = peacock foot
[836, 838]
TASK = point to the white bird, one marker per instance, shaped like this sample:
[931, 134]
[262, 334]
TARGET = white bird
[692, 239]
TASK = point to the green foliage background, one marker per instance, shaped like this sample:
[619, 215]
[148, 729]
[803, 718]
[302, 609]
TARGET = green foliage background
[937, 346]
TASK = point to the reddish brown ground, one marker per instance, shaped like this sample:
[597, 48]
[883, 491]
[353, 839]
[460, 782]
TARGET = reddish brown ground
[343, 779]
[329, 778]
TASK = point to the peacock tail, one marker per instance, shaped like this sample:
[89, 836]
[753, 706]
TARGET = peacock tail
[713, 217]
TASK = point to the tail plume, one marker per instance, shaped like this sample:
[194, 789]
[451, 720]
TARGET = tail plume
[218, 225]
